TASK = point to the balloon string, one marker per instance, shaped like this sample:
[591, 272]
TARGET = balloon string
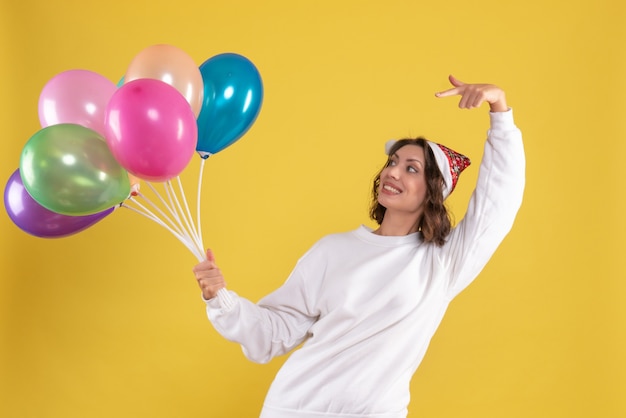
[172, 210]
[187, 227]
[148, 214]
[197, 237]
[183, 229]
[168, 207]
[176, 210]
[172, 207]
[198, 216]
[171, 222]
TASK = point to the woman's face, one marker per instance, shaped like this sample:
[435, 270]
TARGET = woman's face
[403, 183]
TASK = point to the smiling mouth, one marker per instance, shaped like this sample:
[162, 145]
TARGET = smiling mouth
[390, 189]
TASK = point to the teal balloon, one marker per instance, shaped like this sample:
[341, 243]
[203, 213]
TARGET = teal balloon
[233, 94]
[69, 169]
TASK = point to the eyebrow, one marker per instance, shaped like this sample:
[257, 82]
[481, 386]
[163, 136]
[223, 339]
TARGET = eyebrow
[411, 160]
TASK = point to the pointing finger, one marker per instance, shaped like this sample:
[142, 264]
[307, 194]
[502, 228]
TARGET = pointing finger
[450, 92]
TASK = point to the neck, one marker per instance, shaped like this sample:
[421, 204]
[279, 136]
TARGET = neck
[398, 225]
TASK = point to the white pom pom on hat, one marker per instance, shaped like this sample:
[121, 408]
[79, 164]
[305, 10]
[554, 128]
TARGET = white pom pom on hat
[450, 163]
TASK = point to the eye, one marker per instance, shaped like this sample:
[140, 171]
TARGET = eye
[412, 169]
[391, 163]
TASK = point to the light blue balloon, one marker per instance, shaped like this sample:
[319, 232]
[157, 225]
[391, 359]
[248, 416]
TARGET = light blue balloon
[233, 93]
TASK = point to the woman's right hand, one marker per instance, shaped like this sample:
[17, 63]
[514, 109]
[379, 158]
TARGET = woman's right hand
[209, 276]
[473, 95]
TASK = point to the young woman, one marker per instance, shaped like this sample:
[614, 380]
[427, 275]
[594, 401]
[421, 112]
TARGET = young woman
[366, 303]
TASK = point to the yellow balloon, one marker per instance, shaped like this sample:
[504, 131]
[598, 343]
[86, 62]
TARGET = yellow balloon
[173, 66]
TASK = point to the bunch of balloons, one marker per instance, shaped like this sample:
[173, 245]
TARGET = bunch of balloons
[98, 140]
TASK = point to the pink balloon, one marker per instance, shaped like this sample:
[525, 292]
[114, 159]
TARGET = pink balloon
[151, 129]
[76, 96]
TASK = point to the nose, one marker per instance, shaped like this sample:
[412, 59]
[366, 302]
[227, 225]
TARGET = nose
[393, 172]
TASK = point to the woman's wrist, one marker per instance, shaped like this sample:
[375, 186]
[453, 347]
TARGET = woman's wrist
[499, 105]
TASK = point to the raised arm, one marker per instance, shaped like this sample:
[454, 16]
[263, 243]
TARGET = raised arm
[499, 189]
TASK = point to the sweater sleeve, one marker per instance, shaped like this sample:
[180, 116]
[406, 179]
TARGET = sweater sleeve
[492, 207]
[273, 326]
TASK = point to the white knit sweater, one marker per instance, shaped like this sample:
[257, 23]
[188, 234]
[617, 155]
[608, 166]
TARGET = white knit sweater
[366, 306]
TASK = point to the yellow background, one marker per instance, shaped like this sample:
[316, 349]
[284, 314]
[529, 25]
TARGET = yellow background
[109, 322]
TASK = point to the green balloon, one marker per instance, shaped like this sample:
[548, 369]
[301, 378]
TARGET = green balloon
[69, 169]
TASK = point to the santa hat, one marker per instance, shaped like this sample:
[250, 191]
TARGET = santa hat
[450, 163]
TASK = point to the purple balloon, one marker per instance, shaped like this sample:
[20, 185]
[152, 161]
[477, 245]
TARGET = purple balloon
[36, 220]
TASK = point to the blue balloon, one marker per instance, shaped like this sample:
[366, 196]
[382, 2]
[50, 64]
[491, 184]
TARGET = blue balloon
[233, 93]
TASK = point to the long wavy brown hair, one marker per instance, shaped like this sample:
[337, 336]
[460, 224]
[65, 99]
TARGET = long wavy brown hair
[434, 225]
